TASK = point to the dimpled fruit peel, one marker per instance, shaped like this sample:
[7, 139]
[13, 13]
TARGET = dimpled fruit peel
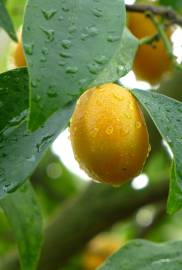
[109, 134]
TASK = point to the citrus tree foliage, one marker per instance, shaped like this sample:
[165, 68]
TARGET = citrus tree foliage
[76, 40]
[69, 47]
[167, 116]
[5, 21]
[26, 224]
[145, 255]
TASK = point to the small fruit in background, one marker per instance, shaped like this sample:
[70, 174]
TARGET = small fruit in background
[18, 57]
[109, 134]
[152, 61]
[98, 250]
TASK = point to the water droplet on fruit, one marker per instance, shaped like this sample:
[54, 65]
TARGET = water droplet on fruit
[109, 130]
[138, 124]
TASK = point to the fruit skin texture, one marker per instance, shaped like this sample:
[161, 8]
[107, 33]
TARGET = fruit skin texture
[109, 135]
[151, 63]
[18, 55]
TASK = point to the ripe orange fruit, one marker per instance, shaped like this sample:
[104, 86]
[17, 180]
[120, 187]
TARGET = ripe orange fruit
[18, 55]
[151, 62]
[109, 135]
[98, 250]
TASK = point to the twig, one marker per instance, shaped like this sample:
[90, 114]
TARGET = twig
[161, 31]
[149, 40]
[165, 12]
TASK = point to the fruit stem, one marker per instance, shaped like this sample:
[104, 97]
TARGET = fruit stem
[149, 40]
[161, 31]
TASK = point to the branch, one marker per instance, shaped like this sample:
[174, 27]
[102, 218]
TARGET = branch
[165, 12]
[95, 210]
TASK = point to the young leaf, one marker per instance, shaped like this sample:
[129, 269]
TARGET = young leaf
[145, 255]
[5, 21]
[167, 116]
[24, 216]
[75, 40]
[20, 150]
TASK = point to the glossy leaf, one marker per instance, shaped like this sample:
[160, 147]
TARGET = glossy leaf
[167, 116]
[75, 40]
[145, 255]
[122, 61]
[13, 97]
[24, 216]
[20, 150]
[5, 21]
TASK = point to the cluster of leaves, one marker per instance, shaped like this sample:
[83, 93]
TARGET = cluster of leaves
[36, 104]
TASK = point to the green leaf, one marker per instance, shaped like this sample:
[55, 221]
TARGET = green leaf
[122, 61]
[13, 97]
[24, 216]
[176, 4]
[5, 21]
[20, 150]
[167, 116]
[75, 40]
[145, 255]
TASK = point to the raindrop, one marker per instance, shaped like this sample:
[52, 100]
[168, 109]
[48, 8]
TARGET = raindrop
[1, 104]
[118, 96]
[84, 36]
[52, 92]
[49, 33]
[48, 14]
[109, 130]
[65, 54]
[82, 81]
[93, 68]
[101, 59]
[97, 12]
[43, 59]
[72, 29]
[65, 8]
[31, 159]
[62, 63]
[44, 51]
[113, 38]
[71, 70]
[37, 98]
[120, 70]
[33, 84]
[18, 119]
[6, 187]
[44, 143]
[168, 139]
[61, 18]
[92, 31]
[29, 48]
[66, 44]
[138, 124]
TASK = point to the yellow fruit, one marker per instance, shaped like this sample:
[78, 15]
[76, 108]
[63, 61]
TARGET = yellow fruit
[151, 62]
[98, 250]
[18, 55]
[109, 135]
